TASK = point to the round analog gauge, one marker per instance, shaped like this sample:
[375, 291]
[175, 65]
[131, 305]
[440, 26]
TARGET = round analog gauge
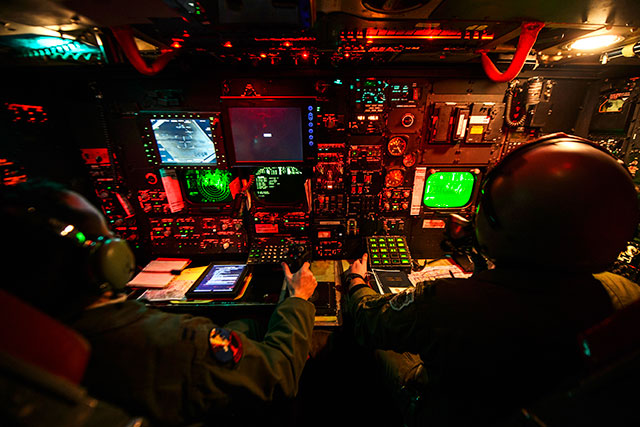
[396, 146]
[409, 160]
[394, 178]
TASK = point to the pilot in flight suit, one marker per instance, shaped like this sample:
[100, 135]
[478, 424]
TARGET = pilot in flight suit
[470, 351]
[174, 369]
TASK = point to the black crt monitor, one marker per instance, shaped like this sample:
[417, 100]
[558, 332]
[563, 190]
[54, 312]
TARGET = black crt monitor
[279, 186]
[270, 130]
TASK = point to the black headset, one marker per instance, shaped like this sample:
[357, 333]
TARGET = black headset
[111, 262]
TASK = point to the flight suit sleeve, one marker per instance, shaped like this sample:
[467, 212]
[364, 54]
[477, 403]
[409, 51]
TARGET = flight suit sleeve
[232, 369]
[388, 322]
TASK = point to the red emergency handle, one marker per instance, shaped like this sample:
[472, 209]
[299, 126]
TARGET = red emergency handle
[124, 36]
[528, 35]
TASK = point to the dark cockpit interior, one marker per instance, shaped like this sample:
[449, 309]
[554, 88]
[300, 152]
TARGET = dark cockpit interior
[253, 132]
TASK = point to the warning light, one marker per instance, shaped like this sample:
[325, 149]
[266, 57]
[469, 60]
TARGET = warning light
[176, 45]
[228, 44]
[305, 55]
[287, 44]
[263, 55]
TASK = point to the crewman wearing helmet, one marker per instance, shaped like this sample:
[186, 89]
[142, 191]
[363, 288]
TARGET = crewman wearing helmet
[469, 351]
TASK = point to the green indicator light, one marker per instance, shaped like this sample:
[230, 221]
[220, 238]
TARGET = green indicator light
[80, 237]
[585, 348]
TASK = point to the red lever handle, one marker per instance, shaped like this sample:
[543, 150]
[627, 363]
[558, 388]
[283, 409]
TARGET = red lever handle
[528, 36]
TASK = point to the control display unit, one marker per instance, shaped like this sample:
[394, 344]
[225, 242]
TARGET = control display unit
[280, 185]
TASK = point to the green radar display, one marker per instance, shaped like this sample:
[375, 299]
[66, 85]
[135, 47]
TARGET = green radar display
[208, 186]
[448, 189]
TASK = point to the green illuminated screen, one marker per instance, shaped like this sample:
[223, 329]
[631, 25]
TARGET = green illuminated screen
[207, 186]
[279, 185]
[448, 189]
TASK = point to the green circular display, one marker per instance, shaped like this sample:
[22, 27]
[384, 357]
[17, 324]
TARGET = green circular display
[208, 186]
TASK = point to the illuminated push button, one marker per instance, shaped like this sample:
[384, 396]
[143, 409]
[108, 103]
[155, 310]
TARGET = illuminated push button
[376, 261]
[385, 261]
[401, 250]
[405, 261]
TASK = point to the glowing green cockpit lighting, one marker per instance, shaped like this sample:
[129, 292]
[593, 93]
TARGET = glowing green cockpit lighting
[81, 237]
[448, 189]
[208, 186]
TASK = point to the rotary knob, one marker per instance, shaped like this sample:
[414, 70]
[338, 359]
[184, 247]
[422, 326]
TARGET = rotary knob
[408, 120]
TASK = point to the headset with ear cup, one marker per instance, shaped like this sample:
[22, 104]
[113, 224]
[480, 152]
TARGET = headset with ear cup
[560, 202]
[110, 261]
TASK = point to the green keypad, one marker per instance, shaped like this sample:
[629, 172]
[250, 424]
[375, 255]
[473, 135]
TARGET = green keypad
[388, 251]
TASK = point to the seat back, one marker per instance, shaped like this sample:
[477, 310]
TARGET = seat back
[28, 334]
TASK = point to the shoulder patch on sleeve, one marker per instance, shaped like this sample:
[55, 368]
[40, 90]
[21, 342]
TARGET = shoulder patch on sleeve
[226, 345]
[403, 299]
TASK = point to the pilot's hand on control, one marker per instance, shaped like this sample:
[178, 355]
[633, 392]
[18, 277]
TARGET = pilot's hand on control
[359, 266]
[302, 283]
